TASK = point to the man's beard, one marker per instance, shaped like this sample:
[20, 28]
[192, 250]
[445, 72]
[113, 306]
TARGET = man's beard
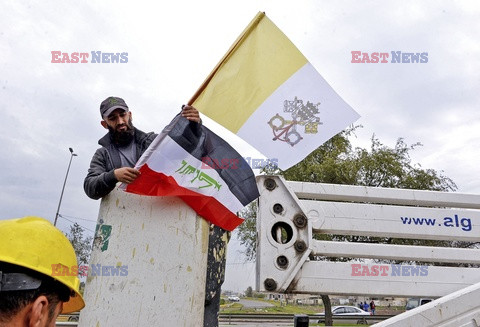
[122, 138]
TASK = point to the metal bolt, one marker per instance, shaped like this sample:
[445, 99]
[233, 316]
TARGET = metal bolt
[282, 261]
[300, 221]
[300, 246]
[270, 284]
[277, 208]
[270, 184]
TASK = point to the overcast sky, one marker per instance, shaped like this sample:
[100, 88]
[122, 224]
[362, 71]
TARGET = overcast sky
[172, 46]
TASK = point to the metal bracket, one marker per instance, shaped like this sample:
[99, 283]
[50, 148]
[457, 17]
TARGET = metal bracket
[285, 226]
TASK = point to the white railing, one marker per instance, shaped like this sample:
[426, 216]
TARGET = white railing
[290, 213]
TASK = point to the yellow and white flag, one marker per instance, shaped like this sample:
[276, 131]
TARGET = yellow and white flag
[265, 91]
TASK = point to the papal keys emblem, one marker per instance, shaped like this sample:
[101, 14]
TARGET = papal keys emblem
[302, 114]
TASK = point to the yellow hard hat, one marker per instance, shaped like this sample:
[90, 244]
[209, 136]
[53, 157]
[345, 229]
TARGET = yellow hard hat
[34, 243]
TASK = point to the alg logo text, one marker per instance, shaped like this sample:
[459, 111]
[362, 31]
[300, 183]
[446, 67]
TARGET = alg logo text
[394, 57]
[97, 57]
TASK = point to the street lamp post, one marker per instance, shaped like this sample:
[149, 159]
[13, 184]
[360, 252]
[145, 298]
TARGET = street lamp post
[63, 188]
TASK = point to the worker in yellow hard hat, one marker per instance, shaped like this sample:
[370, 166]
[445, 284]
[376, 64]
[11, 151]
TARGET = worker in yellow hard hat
[31, 248]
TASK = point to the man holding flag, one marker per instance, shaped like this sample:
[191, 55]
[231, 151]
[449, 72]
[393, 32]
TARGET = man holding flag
[121, 148]
[114, 162]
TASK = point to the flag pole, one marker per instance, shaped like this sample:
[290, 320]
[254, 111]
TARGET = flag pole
[256, 20]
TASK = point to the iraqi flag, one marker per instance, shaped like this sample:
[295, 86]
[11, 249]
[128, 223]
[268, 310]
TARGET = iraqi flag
[191, 162]
[276, 100]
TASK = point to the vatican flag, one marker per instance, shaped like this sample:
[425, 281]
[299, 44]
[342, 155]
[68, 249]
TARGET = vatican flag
[265, 91]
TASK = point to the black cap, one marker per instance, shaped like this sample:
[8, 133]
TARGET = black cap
[110, 104]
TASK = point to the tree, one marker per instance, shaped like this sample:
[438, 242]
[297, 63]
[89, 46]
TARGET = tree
[337, 162]
[249, 292]
[381, 166]
[247, 231]
[82, 245]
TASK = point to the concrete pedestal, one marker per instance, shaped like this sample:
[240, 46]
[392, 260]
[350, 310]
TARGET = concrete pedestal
[148, 265]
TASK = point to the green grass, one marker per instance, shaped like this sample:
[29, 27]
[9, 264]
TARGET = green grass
[277, 308]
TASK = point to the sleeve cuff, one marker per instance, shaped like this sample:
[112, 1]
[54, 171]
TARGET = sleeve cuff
[110, 178]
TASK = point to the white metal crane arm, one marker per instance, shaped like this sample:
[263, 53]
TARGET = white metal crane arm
[336, 192]
[394, 252]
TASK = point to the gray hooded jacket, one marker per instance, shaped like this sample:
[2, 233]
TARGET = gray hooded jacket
[101, 179]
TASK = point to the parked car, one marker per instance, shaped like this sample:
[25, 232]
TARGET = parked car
[345, 310]
[416, 302]
[233, 298]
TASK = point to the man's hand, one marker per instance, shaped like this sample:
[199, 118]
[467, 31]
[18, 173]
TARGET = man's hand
[126, 174]
[191, 113]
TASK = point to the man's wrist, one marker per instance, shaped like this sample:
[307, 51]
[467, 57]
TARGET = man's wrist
[111, 178]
